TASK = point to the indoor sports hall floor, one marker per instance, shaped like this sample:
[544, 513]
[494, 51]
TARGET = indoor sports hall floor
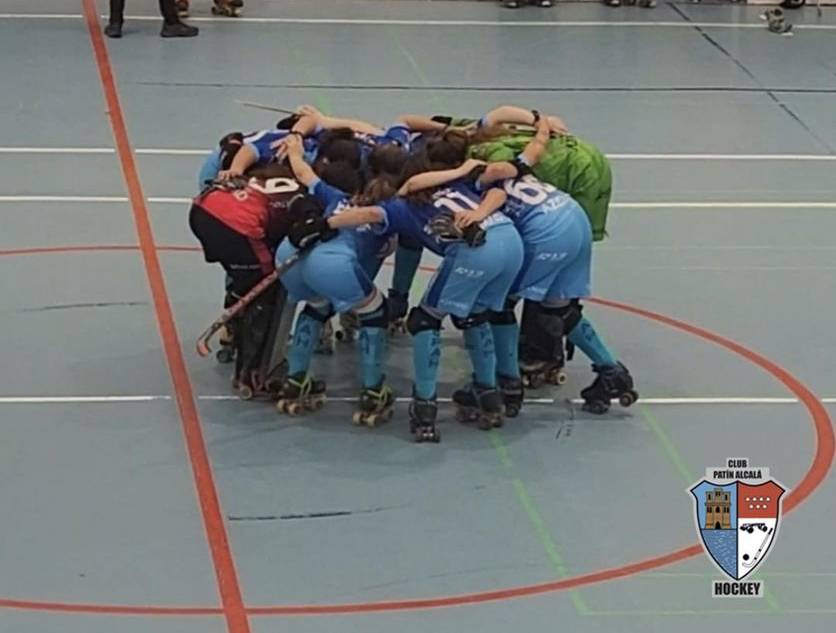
[138, 496]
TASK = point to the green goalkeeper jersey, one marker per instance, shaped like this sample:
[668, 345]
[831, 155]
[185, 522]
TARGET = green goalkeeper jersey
[569, 163]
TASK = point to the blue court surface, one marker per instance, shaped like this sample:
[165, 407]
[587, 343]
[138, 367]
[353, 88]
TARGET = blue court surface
[140, 494]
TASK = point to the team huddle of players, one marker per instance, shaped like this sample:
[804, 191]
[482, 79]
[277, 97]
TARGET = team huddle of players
[511, 203]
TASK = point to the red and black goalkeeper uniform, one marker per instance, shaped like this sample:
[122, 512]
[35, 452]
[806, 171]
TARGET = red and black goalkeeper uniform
[241, 227]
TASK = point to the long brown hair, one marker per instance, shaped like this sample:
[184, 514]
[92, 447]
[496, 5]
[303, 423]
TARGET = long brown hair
[489, 133]
[376, 190]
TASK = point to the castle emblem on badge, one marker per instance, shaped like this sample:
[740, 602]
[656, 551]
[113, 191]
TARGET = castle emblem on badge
[737, 512]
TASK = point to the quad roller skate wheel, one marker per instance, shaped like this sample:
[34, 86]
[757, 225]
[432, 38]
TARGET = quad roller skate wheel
[397, 327]
[533, 381]
[466, 416]
[289, 407]
[225, 355]
[345, 336]
[371, 420]
[426, 434]
[598, 408]
[557, 377]
[227, 12]
[245, 392]
[627, 399]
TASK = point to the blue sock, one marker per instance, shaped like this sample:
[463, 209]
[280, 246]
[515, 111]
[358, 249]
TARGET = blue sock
[372, 352]
[426, 354]
[584, 336]
[479, 343]
[407, 261]
[305, 338]
[506, 340]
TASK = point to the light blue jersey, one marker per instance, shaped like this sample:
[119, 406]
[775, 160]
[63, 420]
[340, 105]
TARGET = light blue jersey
[557, 239]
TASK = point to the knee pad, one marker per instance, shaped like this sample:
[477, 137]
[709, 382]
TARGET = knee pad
[230, 144]
[570, 314]
[375, 314]
[317, 314]
[419, 320]
[542, 332]
[505, 316]
[471, 320]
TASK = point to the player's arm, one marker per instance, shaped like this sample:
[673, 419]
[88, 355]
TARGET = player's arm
[521, 116]
[295, 156]
[244, 158]
[431, 179]
[536, 147]
[329, 122]
[491, 202]
[357, 216]
[306, 125]
[523, 163]
[419, 123]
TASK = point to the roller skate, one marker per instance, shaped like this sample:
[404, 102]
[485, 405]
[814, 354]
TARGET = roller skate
[613, 381]
[325, 345]
[375, 407]
[535, 374]
[267, 384]
[398, 307]
[479, 404]
[512, 395]
[182, 8]
[228, 8]
[422, 415]
[775, 22]
[349, 326]
[226, 354]
[301, 393]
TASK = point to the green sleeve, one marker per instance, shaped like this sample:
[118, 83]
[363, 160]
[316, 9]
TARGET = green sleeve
[493, 152]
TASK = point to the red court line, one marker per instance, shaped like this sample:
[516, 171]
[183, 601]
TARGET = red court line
[227, 579]
[107, 609]
[825, 446]
[815, 475]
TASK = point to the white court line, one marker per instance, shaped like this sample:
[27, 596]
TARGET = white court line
[156, 200]
[615, 205]
[723, 400]
[723, 205]
[161, 151]
[451, 23]
[804, 157]
[63, 199]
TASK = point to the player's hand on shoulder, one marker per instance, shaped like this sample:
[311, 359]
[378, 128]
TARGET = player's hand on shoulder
[557, 125]
[309, 231]
[308, 110]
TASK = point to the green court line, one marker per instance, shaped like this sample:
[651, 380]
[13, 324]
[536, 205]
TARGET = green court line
[723, 612]
[416, 67]
[534, 517]
[679, 463]
[524, 498]
[320, 99]
[537, 522]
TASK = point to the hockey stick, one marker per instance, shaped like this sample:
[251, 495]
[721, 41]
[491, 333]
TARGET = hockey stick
[261, 106]
[231, 312]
